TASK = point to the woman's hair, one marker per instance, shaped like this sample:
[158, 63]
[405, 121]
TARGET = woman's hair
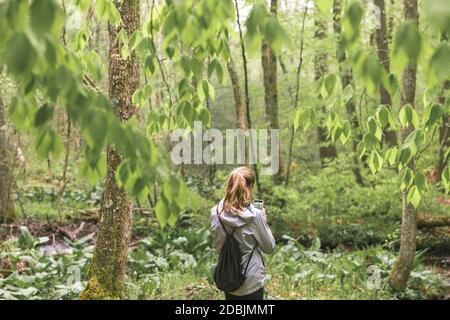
[238, 190]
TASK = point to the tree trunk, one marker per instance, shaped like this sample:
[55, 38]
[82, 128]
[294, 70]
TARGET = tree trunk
[444, 130]
[346, 79]
[444, 135]
[7, 211]
[108, 266]
[326, 150]
[269, 66]
[383, 55]
[402, 267]
[241, 121]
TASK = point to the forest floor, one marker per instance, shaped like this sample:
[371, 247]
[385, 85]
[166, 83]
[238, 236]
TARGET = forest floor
[58, 233]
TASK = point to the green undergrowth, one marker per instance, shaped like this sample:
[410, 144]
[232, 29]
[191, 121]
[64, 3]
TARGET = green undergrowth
[176, 264]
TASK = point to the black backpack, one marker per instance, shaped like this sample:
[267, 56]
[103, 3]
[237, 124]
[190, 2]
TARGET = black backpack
[228, 274]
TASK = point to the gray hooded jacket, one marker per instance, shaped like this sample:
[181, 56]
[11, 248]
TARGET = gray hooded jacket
[252, 229]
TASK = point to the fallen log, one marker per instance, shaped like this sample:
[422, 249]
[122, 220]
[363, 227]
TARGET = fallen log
[433, 221]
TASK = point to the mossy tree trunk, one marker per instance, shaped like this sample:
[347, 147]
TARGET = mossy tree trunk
[108, 266]
[346, 79]
[402, 267]
[326, 150]
[382, 40]
[269, 67]
[6, 169]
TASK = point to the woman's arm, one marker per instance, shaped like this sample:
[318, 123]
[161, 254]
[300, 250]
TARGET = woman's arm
[263, 234]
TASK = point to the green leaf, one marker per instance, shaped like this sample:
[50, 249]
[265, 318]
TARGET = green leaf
[330, 83]
[375, 162]
[408, 116]
[324, 5]
[48, 143]
[440, 62]
[95, 129]
[302, 118]
[43, 14]
[433, 116]
[95, 65]
[205, 117]
[374, 71]
[346, 132]
[43, 115]
[438, 14]
[186, 65]
[351, 23]
[274, 34]
[205, 90]
[348, 93]
[420, 180]
[188, 111]
[142, 96]
[162, 213]
[383, 114]
[361, 148]
[20, 55]
[370, 142]
[150, 66]
[390, 83]
[122, 37]
[408, 42]
[215, 66]
[407, 178]
[372, 125]
[414, 197]
[403, 156]
[391, 156]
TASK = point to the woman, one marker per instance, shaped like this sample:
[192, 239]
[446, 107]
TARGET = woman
[237, 211]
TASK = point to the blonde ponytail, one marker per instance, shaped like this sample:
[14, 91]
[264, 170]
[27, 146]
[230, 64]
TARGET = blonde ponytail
[238, 190]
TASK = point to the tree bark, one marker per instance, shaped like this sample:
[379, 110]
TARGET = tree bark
[346, 79]
[382, 39]
[108, 266]
[444, 139]
[241, 121]
[326, 150]
[7, 211]
[402, 267]
[444, 130]
[269, 66]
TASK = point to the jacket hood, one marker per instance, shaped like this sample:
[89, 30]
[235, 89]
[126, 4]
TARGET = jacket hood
[235, 220]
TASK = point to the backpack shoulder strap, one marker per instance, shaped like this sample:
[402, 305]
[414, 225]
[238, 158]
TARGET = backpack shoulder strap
[223, 226]
[249, 258]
